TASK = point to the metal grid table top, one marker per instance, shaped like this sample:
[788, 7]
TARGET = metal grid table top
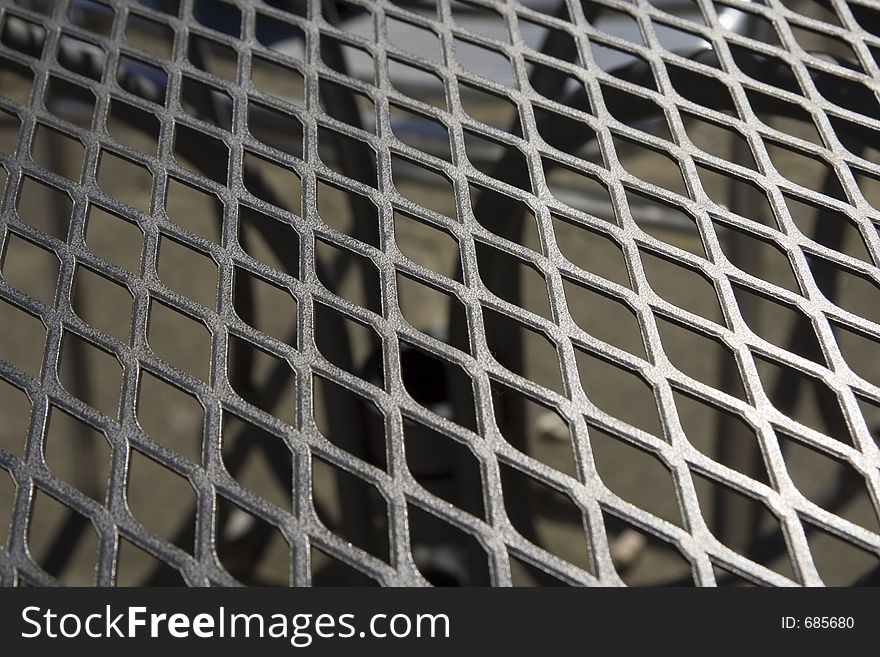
[602, 93]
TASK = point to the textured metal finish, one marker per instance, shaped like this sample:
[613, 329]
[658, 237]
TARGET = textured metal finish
[750, 76]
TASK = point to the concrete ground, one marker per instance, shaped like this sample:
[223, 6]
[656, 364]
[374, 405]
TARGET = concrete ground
[162, 501]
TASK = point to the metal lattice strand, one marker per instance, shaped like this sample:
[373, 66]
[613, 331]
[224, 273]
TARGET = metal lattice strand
[630, 123]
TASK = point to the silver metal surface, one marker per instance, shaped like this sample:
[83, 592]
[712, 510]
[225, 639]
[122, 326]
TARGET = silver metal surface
[754, 64]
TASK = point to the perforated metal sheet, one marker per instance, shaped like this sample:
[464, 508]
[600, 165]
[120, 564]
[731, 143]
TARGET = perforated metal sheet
[589, 83]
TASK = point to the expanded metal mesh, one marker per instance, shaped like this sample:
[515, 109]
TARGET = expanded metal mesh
[749, 128]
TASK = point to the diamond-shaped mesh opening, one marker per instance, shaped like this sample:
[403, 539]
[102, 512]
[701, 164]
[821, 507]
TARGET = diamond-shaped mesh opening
[529, 292]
